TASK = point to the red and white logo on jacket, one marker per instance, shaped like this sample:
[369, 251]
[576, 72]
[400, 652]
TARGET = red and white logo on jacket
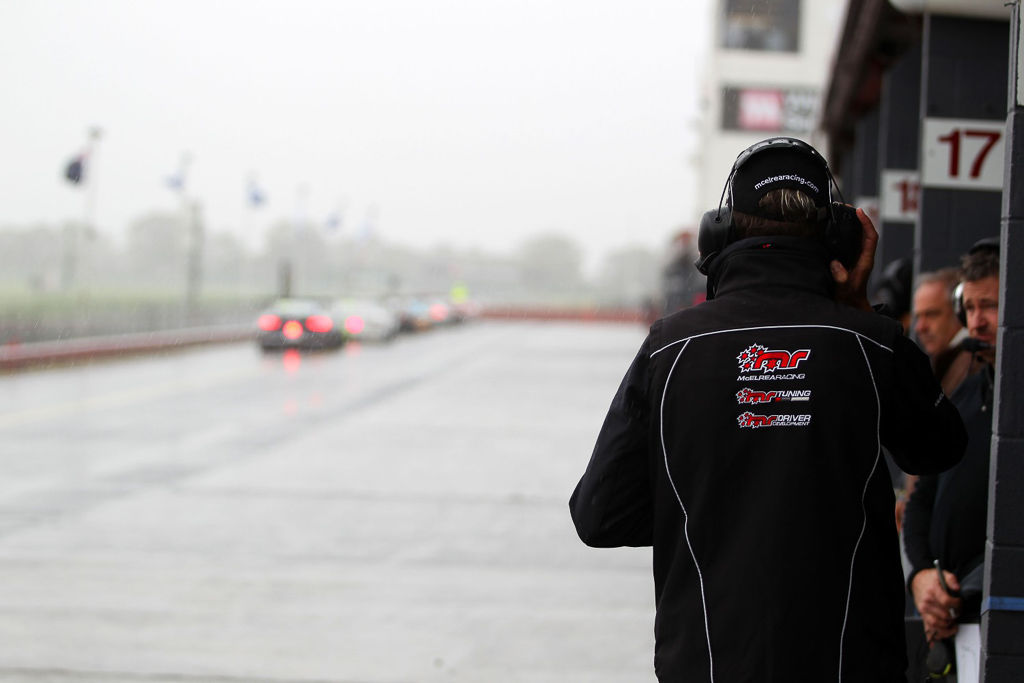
[749, 420]
[757, 358]
[753, 421]
[746, 395]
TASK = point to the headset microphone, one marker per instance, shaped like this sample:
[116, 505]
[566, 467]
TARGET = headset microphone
[974, 345]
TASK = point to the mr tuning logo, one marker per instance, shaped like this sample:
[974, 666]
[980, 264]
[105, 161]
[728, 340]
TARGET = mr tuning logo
[757, 358]
[746, 395]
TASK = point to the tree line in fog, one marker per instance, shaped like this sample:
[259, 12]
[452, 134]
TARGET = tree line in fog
[166, 252]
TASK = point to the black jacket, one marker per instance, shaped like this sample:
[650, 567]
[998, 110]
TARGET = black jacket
[947, 515]
[744, 444]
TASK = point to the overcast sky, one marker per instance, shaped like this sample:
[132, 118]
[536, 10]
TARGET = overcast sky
[466, 122]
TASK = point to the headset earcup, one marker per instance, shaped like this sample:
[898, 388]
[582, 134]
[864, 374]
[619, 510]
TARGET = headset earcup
[713, 236]
[844, 234]
[958, 304]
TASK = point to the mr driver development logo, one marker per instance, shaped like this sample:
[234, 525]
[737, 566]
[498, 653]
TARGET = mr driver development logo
[749, 420]
[757, 358]
[748, 396]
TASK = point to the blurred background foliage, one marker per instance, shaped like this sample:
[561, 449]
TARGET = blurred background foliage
[168, 271]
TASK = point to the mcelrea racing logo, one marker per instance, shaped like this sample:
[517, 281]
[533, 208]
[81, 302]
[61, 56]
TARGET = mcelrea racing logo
[749, 420]
[746, 395]
[787, 176]
[757, 358]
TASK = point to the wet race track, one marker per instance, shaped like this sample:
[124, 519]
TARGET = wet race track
[392, 513]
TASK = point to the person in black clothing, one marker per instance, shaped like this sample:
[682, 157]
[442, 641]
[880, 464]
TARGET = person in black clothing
[744, 444]
[681, 282]
[946, 516]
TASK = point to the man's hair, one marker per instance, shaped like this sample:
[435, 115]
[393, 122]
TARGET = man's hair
[781, 212]
[949, 278]
[979, 264]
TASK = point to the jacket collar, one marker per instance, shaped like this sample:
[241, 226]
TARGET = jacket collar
[760, 262]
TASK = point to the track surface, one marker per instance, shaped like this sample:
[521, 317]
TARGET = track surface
[391, 513]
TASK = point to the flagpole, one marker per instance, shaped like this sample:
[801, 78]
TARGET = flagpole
[244, 228]
[90, 227]
[190, 212]
[253, 198]
[80, 169]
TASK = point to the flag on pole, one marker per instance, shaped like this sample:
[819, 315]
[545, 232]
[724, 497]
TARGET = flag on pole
[257, 197]
[74, 172]
[334, 221]
[176, 181]
[336, 218]
[368, 230]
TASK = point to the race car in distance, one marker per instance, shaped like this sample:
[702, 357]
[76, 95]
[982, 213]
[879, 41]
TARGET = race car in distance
[297, 323]
[365, 320]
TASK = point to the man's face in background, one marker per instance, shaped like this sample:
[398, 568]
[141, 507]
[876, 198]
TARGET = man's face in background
[981, 304]
[935, 324]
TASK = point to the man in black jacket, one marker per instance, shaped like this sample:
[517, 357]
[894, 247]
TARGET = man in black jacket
[947, 515]
[744, 445]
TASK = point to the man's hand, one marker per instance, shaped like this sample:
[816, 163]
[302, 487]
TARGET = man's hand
[852, 286]
[938, 608]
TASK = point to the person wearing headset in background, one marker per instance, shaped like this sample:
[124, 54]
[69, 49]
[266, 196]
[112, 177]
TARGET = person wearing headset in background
[946, 517]
[937, 328]
[938, 331]
[744, 444]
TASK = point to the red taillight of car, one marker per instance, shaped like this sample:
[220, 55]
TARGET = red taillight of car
[438, 312]
[354, 324]
[319, 323]
[292, 329]
[269, 322]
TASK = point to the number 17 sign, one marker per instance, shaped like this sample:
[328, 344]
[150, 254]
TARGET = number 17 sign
[962, 154]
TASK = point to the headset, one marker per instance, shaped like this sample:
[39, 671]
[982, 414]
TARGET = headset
[984, 244]
[894, 288]
[958, 304]
[843, 232]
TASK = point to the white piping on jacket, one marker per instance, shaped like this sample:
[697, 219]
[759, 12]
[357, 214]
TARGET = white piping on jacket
[686, 516]
[771, 327]
[863, 509]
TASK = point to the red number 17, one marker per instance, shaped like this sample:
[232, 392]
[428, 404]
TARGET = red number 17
[954, 149]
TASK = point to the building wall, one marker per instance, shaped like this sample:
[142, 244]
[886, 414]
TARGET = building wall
[776, 93]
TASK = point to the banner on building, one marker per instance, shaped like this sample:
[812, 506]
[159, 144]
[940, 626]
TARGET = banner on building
[769, 110]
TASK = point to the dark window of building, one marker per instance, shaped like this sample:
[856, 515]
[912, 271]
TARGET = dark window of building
[772, 25]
